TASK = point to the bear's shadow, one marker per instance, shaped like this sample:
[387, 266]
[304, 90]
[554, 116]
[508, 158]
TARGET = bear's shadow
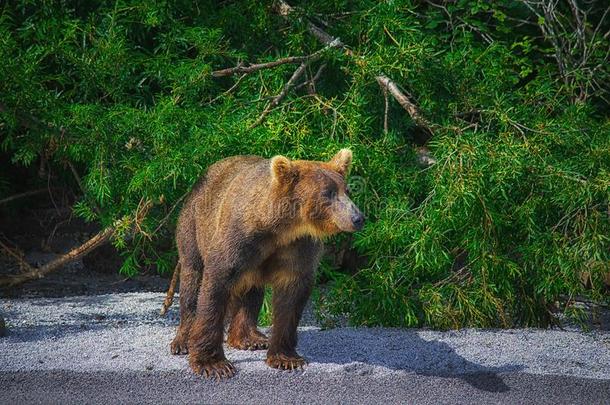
[397, 349]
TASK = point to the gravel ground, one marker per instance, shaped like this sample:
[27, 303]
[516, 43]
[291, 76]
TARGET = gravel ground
[118, 341]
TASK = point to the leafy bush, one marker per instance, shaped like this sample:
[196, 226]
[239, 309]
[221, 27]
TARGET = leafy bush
[512, 218]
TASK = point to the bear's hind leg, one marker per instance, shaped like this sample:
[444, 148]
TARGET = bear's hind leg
[190, 279]
[206, 355]
[243, 334]
[191, 272]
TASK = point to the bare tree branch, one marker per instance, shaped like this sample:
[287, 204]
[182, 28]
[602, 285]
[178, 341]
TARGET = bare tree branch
[304, 62]
[17, 255]
[576, 48]
[96, 241]
[22, 195]
[229, 91]
[241, 69]
[410, 107]
[268, 65]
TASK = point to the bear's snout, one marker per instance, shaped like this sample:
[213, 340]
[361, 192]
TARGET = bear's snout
[347, 216]
[357, 220]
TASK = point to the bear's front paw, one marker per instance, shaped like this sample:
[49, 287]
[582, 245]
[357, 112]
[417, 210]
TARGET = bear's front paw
[178, 345]
[217, 369]
[285, 362]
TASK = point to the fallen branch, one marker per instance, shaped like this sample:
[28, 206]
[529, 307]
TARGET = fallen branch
[169, 297]
[387, 84]
[304, 62]
[285, 9]
[35, 273]
[241, 69]
[100, 239]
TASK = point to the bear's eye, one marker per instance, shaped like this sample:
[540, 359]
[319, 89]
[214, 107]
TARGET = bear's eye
[329, 193]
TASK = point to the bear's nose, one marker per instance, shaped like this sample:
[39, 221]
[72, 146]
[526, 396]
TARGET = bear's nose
[358, 220]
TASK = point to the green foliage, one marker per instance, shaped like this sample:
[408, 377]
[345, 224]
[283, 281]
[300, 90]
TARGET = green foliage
[265, 316]
[511, 218]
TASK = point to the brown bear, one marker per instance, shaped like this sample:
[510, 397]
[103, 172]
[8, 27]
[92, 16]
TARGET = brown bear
[251, 222]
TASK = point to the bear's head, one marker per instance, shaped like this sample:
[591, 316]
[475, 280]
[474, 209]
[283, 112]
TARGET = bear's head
[318, 195]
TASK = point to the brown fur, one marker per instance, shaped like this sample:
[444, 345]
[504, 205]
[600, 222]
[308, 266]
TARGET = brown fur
[251, 222]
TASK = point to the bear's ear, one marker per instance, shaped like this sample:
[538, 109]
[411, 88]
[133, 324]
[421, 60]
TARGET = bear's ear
[282, 169]
[342, 161]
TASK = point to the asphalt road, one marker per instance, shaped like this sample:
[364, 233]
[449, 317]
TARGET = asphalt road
[115, 349]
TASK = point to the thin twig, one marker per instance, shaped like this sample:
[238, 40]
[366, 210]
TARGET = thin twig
[313, 80]
[241, 69]
[94, 205]
[23, 265]
[141, 211]
[278, 99]
[169, 213]
[47, 241]
[229, 91]
[22, 195]
[483, 35]
[385, 113]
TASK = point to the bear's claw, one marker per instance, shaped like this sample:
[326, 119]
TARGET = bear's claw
[218, 369]
[285, 362]
[256, 341]
[178, 346]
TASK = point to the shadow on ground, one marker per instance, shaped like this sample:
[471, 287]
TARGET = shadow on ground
[401, 350]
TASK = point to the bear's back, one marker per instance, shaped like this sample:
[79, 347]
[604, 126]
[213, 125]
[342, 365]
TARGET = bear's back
[222, 173]
[224, 193]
